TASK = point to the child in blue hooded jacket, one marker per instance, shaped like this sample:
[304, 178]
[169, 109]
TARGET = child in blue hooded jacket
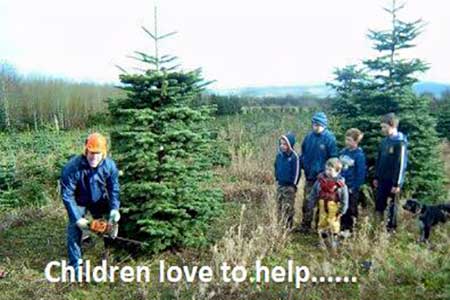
[390, 169]
[354, 172]
[318, 146]
[287, 175]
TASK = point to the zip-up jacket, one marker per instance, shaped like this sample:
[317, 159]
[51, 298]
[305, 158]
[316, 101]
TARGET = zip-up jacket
[287, 165]
[392, 159]
[317, 148]
[82, 185]
[353, 167]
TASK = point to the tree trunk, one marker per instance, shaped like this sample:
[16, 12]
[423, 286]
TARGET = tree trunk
[4, 98]
[55, 118]
[35, 121]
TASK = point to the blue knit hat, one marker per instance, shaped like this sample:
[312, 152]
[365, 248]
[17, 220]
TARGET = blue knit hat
[320, 118]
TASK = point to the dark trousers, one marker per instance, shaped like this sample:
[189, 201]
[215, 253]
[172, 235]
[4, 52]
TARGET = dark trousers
[74, 233]
[386, 199]
[308, 213]
[348, 219]
[286, 201]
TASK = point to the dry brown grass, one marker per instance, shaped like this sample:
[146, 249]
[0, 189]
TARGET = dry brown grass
[399, 267]
[247, 231]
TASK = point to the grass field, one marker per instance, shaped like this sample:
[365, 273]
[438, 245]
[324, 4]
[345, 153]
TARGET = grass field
[30, 237]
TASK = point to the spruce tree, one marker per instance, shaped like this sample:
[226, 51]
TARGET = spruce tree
[162, 147]
[384, 84]
[442, 113]
[352, 89]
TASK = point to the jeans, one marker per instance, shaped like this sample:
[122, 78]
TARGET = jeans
[74, 241]
[74, 234]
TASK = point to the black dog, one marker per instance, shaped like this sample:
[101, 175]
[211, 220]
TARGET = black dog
[429, 215]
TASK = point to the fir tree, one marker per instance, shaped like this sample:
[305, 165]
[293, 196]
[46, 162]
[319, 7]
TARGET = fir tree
[163, 147]
[442, 113]
[383, 85]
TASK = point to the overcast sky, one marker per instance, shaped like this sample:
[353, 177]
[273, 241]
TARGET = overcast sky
[236, 42]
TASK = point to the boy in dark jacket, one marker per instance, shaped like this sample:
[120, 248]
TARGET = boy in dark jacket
[318, 146]
[354, 171]
[287, 175]
[390, 169]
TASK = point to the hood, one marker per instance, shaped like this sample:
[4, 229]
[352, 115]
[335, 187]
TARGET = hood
[290, 139]
[399, 137]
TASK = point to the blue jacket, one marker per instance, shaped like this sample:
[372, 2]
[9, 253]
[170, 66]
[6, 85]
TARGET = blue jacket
[287, 166]
[354, 167]
[392, 159]
[316, 150]
[84, 186]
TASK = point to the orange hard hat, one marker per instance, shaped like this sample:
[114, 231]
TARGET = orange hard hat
[96, 142]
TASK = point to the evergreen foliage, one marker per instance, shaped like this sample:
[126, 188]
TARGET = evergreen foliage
[163, 149]
[384, 84]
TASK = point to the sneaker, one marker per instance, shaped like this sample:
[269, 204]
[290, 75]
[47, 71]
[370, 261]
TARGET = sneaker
[345, 234]
[304, 230]
[391, 230]
[366, 265]
[334, 244]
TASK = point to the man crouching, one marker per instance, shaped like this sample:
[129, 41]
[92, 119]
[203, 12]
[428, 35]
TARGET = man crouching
[89, 182]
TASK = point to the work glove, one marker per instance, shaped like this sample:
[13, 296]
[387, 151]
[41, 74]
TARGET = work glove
[114, 230]
[83, 223]
[114, 216]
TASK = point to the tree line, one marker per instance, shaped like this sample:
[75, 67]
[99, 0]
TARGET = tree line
[37, 102]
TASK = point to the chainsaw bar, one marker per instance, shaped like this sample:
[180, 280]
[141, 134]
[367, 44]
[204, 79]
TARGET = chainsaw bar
[101, 226]
[129, 240]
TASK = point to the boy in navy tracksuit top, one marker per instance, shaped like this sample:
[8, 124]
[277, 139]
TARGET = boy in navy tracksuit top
[390, 169]
[354, 171]
[318, 146]
[287, 175]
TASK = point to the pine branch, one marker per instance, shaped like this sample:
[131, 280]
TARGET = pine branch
[149, 33]
[121, 69]
[167, 35]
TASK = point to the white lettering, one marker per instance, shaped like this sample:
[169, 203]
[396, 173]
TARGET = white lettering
[47, 270]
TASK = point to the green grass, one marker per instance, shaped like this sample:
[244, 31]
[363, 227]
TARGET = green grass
[401, 268]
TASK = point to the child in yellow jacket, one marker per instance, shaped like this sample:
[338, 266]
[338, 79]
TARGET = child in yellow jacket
[331, 194]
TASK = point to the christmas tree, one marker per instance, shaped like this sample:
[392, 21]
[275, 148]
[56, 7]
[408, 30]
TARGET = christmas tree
[384, 84]
[163, 148]
[442, 113]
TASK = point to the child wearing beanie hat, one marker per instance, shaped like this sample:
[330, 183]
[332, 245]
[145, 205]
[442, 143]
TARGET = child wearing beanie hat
[318, 146]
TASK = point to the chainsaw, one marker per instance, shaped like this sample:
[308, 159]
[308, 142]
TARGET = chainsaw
[109, 230]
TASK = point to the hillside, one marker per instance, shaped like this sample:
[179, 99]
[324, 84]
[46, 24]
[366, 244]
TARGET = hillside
[434, 88]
